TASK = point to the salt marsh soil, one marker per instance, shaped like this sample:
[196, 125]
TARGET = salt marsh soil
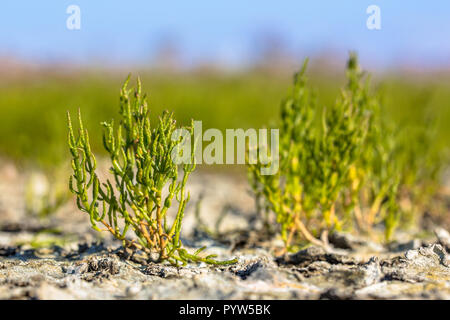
[63, 258]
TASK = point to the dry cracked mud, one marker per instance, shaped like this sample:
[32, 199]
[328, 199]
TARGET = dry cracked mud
[76, 263]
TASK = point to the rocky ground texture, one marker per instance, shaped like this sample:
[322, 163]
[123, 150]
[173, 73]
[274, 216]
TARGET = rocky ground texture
[63, 258]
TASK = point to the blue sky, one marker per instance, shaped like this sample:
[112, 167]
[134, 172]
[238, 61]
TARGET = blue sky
[130, 31]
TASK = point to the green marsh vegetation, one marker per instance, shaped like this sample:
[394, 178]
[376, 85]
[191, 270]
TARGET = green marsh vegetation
[349, 165]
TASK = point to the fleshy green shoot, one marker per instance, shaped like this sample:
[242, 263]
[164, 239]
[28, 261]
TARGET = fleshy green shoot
[341, 167]
[145, 181]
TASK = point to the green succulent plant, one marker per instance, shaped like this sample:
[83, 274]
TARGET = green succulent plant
[328, 157]
[145, 181]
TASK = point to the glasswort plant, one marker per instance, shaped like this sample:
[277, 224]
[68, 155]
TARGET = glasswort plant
[145, 181]
[318, 149]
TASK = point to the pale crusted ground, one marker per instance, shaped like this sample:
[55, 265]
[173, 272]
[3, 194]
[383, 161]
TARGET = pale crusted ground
[84, 266]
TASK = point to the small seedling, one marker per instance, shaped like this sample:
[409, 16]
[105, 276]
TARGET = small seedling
[145, 181]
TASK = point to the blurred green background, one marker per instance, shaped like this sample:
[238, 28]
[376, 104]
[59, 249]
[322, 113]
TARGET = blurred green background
[228, 64]
[33, 108]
